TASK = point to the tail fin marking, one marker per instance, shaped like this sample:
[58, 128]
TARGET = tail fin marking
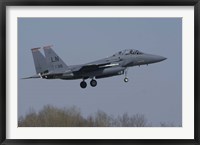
[54, 61]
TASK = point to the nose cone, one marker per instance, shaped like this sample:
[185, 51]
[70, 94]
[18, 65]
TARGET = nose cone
[155, 58]
[159, 58]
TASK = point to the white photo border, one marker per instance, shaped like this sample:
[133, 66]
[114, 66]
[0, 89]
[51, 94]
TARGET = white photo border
[184, 132]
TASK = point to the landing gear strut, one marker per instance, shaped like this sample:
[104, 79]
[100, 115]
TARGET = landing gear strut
[126, 78]
[83, 84]
[93, 83]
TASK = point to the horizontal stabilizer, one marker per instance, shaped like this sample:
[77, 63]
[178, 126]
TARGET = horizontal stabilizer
[32, 77]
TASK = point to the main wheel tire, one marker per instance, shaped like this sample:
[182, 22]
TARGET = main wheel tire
[125, 80]
[83, 84]
[93, 83]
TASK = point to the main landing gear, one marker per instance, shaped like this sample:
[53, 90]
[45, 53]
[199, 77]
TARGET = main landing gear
[83, 84]
[93, 83]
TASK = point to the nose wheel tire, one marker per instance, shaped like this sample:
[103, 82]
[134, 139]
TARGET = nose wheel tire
[83, 84]
[93, 83]
[126, 80]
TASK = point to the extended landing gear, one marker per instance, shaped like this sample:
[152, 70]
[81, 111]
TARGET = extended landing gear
[93, 83]
[83, 84]
[126, 78]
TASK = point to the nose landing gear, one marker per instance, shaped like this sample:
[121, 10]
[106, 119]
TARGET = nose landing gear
[126, 78]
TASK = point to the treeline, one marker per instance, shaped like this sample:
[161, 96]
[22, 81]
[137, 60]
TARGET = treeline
[51, 116]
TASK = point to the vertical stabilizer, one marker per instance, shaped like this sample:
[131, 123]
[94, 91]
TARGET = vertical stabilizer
[39, 61]
[55, 63]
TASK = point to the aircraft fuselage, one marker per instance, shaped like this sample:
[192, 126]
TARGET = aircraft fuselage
[117, 67]
[51, 66]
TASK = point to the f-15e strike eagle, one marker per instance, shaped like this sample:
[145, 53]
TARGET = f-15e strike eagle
[51, 66]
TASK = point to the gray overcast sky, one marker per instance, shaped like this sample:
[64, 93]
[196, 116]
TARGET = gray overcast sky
[154, 90]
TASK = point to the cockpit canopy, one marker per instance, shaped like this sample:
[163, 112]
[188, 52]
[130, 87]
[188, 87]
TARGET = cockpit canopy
[128, 52]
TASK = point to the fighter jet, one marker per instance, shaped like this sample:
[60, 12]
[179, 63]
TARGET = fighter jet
[51, 66]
